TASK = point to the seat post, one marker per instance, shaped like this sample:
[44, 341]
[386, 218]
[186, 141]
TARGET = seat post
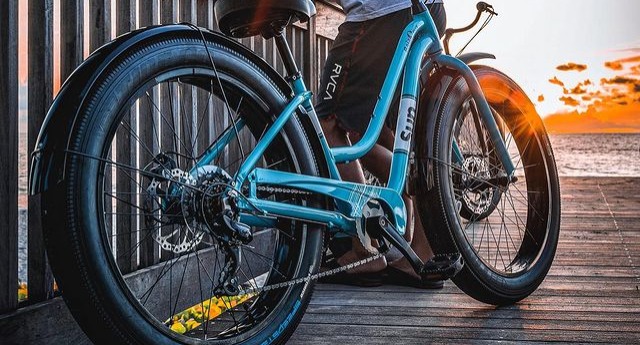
[287, 57]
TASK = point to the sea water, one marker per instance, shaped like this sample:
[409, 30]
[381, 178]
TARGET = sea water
[597, 155]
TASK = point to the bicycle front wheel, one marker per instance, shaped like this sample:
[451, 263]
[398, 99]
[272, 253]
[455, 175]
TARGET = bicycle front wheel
[142, 256]
[507, 233]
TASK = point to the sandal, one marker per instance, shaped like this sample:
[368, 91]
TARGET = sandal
[394, 276]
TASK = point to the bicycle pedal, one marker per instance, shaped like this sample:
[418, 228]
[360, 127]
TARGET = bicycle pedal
[442, 267]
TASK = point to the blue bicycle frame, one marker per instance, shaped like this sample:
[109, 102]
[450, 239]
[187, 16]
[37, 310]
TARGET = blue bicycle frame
[418, 46]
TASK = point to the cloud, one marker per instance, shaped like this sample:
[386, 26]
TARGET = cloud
[621, 64]
[630, 59]
[578, 90]
[541, 98]
[614, 65]
[587, 82]
[633, 84]
[569, 101]
[556, 81]
[572, 66]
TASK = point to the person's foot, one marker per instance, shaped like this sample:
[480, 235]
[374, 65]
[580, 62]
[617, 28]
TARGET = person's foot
[404, 266]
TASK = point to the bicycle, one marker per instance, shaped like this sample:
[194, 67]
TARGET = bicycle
[134, 185]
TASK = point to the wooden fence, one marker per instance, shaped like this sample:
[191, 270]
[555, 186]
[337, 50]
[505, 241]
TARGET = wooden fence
[85, 25]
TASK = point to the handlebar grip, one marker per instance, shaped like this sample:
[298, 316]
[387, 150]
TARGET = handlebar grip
[481, 6]
[485, 7]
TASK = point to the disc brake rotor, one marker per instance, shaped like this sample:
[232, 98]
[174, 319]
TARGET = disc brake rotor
[477, 169]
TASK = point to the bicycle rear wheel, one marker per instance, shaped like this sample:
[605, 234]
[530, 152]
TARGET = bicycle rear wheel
[506, 233]
[133, 235]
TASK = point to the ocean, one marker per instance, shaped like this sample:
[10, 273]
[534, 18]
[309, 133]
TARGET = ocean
[595, 155]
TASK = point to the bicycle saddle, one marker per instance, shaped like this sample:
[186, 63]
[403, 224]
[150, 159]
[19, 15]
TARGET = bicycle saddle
[244, 18]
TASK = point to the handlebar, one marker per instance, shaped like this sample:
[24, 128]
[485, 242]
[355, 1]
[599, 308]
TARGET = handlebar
[481, 7]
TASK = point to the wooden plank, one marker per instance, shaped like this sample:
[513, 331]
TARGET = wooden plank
[149, 143]
[203, 110]
[126, 152]
[186, 111]
[49, 322]
[466, 334]
[484, 313]
[99, 23]
[468, 319]
[9, 156]
[126, 13]
[71, 36]
[40, 46]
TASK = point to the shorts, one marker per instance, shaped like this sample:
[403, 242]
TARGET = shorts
[357, 65]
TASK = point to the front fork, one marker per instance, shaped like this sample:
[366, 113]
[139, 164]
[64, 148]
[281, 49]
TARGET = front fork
[484, 111]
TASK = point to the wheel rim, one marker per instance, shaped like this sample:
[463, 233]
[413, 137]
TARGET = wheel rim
[163, 247]
[509, 230]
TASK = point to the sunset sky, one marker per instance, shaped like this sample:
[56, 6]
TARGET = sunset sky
[579, 59]
[533, 38]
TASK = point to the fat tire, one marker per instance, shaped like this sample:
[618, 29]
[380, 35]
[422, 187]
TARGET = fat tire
[75, 247]
[439, 213]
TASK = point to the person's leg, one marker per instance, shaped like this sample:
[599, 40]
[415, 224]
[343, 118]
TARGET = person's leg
[336, 137]
[378, 162]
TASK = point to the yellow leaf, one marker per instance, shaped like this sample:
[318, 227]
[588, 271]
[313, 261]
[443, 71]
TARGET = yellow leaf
[178, 328]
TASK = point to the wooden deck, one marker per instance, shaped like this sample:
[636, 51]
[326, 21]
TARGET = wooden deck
[591, 295]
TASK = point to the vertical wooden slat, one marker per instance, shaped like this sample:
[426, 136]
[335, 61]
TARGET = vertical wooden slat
[126, 13]
[40, 48]
[9, 155]
[99, 23]
[167, 92]
[186, 97]
[149, 253]
[71, 36]
[203, 107]
[169, 11]
[126, 218]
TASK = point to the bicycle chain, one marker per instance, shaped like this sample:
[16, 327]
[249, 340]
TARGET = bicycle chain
[280, 190]
[309, 278]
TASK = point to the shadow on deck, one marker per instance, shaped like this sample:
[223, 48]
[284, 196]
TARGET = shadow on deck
[591, 295]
